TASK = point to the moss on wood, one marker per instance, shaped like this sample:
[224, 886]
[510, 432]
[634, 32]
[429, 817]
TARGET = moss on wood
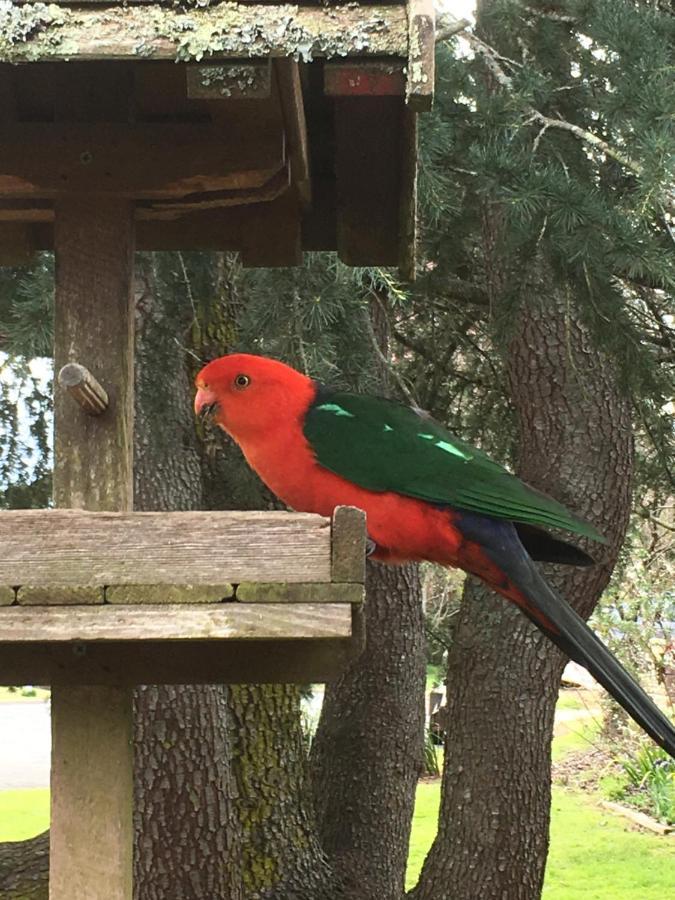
[42, 31]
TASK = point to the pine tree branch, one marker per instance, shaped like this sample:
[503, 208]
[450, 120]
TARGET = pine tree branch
[493, 60]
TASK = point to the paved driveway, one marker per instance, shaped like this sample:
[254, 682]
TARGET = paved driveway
[25, 741]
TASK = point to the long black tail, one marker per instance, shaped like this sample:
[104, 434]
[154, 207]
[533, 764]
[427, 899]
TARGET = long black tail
[569, 631]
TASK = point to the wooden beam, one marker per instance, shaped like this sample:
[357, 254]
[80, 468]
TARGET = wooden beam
[169, 210]
[348, 562]
[379, 78]
[184, 622]
[250, 80]
[295, 124]
[92, 761]
[368, 134]
[181, 662]
[91, 794]
[253, 592]
[271, 235]
[17, 247]
[74, 547]
[45, 160]
[421, 54]
[224, 30]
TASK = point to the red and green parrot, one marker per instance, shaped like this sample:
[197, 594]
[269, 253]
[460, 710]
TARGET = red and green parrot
[426, 495]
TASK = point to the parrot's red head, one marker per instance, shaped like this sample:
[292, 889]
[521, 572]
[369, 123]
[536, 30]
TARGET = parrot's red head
[248, 396]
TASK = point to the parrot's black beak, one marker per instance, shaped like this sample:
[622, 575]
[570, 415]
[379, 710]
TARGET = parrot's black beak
[206, 404]
[207, 411]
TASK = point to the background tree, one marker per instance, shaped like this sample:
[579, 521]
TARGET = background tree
[540, 326]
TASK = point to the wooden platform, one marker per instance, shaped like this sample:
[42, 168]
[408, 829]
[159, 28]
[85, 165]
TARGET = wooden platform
[98, 598]
[283, 128]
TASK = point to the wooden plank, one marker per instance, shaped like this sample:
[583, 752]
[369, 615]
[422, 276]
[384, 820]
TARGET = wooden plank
[295, 124]
[17, 247]
[223, 30]
[59, 595]
[74, 547]
[48, 160]
[92, 764]
[421, 54]
[182, 662]
[368, 135]
[300, 593]
[224, 621]
[168, 593]
[177, 208]
[233, 81]
[381, 78]
[638, 818]
[271, 234]
[348, 542]
[92, 724]
[94, 327]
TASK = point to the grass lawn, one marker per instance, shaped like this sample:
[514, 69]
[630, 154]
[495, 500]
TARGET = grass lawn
[593, 856]
[24, 813]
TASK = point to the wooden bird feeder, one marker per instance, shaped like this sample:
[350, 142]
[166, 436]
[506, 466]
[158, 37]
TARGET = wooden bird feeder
[263, 128]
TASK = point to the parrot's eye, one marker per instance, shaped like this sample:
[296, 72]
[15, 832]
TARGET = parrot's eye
[242, 381]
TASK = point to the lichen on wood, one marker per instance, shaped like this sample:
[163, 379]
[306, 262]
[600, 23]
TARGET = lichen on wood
[40, 31]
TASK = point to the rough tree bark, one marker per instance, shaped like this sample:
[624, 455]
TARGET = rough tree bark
[186, 842]
[503, 675]
[367, 753]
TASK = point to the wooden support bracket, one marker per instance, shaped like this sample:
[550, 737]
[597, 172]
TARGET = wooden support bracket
[84, 388]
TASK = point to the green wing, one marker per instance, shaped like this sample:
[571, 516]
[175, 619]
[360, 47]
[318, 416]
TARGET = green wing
[384, 446]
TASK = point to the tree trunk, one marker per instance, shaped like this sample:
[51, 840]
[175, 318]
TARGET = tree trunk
[367, 753]
[503, 675]
[281, 857]
[186, 843]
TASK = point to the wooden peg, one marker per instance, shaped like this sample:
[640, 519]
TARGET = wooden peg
[84, 388]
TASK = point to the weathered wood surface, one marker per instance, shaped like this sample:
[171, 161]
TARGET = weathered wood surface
[39, 159]
[223, 621]
[233, 81]
[348, 545]
[94, 327]
[421, 54]
[91, 724]
[71, 547]
[368, 138]
[364, 79]
[300, 593]
[59, 595]
[92, 764]
[638, 818]
[224, 30]
[84, 388]
[246, 592]
[181, 662]
[295, 124]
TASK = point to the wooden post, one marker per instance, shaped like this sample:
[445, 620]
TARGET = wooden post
[92, 773]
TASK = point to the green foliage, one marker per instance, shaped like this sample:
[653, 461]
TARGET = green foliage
[592, 855]
[650, 774]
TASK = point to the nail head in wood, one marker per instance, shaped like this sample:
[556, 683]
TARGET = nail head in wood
[348, 545]
[84, 388]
